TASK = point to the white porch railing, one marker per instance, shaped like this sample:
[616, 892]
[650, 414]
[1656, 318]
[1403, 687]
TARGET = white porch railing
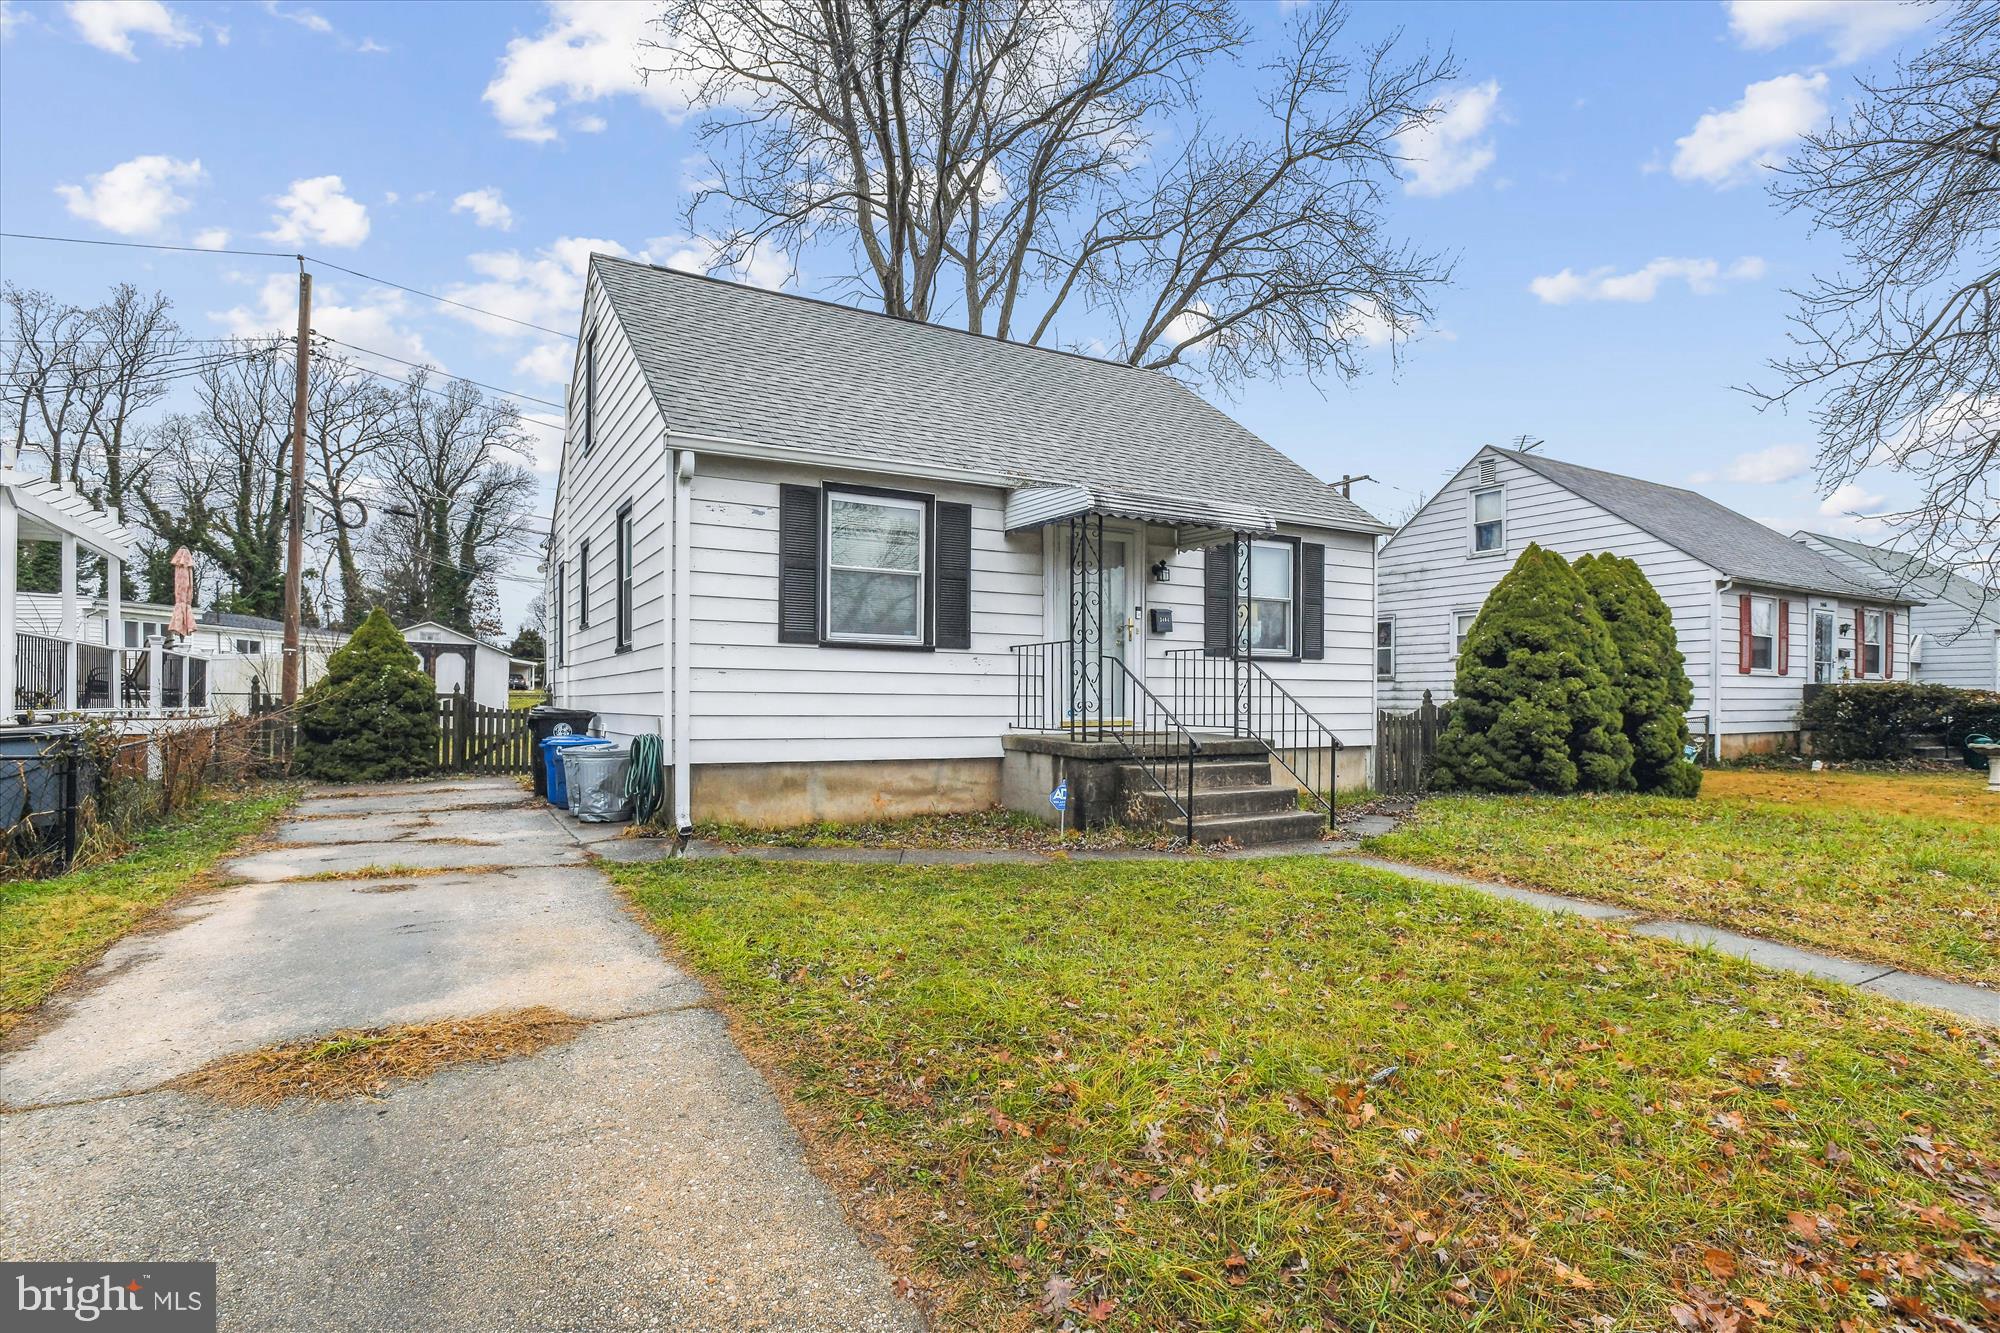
[61, 675]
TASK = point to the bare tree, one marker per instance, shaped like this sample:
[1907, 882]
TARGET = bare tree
[1007, 164]
[1899, 353]
[452, 501]
[350, 418]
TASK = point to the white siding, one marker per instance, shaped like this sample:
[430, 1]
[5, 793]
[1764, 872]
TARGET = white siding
[755, 700]
[1339, 689]
[1765, 701]
[626, 461]
[1960, 647]
[1428, 573]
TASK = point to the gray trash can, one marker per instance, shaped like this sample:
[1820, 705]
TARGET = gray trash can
[596, 780]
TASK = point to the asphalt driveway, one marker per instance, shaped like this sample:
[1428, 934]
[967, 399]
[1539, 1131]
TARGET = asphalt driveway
[641, 1176]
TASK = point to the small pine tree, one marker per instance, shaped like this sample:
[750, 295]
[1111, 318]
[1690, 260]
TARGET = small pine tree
[1652, 682]
[1535, 707]
[373, 716]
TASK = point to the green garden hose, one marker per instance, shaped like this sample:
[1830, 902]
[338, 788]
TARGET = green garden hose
[645, 777]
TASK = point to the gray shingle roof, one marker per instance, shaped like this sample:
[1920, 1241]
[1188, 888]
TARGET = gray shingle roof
[1927, 581]
[1714, 534]
[775, 369]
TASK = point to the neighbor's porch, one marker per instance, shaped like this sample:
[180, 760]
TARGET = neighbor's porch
[79, 663]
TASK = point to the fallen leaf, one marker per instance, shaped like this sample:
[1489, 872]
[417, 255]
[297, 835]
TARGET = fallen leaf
[1719, 1262]
[1056, 1293]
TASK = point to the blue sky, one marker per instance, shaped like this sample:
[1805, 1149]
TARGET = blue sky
[1620, 267]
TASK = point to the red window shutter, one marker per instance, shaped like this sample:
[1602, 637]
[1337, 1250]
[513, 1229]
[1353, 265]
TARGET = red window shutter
[1888, 645]
[1784, 637]
[1743, 634]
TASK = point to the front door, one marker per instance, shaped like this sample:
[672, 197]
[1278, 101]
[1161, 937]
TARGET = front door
[1116, 631]
[1825, 645]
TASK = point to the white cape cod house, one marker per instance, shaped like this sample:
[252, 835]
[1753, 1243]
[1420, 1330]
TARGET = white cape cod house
[842, 563]
[1758, 615]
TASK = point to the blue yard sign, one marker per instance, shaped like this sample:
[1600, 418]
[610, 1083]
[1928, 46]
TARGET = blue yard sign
[1059, 798]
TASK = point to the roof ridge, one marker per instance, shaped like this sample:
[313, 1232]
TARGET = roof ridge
[875, 314]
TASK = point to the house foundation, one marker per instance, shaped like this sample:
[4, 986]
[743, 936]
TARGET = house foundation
[853, 791]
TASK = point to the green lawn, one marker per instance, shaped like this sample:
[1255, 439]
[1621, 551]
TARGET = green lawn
[1297, 1094]
[51, 927]
[1894, 868]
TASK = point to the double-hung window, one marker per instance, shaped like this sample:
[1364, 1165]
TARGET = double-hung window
[1273, 592]
[1871, 643]
[875, 567]
[624, 553]
[583, 584]
[1489, 521]
[1461, 630]
[1763, 633]
[1385, 648]
[589, 389]
[561, 611]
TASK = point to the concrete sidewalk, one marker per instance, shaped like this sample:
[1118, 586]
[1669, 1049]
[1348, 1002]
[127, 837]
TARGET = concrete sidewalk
[1974, 1002]
[641, 1176]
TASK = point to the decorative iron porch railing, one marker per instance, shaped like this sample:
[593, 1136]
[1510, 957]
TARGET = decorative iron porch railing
[1236, 695]
[41, 671]
[106, 679]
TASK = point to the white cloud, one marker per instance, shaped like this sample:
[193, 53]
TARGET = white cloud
[1763, 467]
[762, 267]
[550, 362]
[12, 16]
[109, 25]
[1847, 498]
[310, 20]
[488, 209]
[1704, 277]
[317, 209]
[1450, 152]
[589, 124]
[589, 52]
[212, 238]
[1851, 28]
[134, 198]
[1726, 148]
[378, 321]
[545, 288]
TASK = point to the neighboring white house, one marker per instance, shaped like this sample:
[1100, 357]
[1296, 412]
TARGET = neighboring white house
[459, 661]
[1758, 615]
[832, 558]
[1955, 631]
[245, 653]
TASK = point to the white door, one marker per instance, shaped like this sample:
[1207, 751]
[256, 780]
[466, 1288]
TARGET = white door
[1825, 645]
[1118, 632]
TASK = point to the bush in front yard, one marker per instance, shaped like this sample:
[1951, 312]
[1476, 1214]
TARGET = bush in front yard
[1879, 720]
[1652, 677]
[373, 716]
[1536, 709]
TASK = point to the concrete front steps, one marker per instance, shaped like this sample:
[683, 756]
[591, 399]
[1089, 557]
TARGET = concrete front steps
[1240, 797]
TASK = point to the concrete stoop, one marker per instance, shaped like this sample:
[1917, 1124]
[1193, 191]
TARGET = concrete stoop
[1241, 795]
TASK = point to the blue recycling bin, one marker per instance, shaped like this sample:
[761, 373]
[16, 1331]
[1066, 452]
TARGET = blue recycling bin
[552, 749]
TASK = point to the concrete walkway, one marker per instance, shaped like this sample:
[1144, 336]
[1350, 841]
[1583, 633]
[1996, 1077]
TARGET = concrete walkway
[1973, 1002]
[642, 1176]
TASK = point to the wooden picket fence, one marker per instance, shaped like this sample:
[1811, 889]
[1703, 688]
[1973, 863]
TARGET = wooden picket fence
[473, 738]
[1405, 746]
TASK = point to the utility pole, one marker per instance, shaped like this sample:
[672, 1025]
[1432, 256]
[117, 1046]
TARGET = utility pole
[1346, 484]
[295, 553]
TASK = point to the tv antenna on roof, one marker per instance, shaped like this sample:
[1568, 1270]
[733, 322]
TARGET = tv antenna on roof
[1346, 484]
[1527, 444]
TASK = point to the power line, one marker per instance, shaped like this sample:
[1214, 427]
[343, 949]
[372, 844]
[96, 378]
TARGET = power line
[398, 379]
[301, 258]
[420, 365]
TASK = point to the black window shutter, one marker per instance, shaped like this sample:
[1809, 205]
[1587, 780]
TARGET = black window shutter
[798, 564]
[1218, 583]
[1312, 601]
[953, 579]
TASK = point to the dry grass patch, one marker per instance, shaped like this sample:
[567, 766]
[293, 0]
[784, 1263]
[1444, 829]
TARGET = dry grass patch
[383, 872]
[356, 1062]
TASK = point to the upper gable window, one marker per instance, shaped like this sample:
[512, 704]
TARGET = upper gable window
[589, 388]
[1489, 520]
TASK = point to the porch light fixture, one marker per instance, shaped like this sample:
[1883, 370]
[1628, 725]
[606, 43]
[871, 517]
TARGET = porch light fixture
[1162, 573]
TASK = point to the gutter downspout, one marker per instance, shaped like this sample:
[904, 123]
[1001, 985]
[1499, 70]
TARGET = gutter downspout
[1715, 670]
[677, 642]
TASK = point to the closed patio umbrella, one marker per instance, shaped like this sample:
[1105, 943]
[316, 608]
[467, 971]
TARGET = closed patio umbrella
[181, 623]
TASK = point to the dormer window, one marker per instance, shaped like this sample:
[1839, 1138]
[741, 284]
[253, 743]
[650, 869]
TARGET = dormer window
[1489, 521]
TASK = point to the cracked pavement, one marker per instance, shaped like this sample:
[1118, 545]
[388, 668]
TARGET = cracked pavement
[641, 1176]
